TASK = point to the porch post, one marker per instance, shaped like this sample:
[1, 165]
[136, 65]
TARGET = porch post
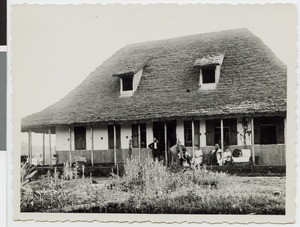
[252, 141]
[115, 145]
[166, 145]
[193, 138]
[222, 141]
[92, 151]
[44, 151]
[70, 153]
[50, 150]
[30, 147]
[139, 141]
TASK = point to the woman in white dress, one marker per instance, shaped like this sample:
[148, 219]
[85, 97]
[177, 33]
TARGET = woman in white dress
[198, 156]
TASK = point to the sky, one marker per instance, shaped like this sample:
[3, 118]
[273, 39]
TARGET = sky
[55, 47]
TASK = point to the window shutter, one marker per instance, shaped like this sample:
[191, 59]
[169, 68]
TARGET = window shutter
[256, 130]
[135, 142]
[210, 139]
[118, 135]
[110, 131]
[232, 123]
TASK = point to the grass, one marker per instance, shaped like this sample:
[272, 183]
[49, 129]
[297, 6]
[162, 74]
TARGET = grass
[149, 187]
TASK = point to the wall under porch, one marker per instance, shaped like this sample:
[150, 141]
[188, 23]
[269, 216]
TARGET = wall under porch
[104, 156]
[268, 155]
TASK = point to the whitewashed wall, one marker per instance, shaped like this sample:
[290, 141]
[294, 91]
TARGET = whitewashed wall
[100, 138]
[125, 135]
[63, 138]
[180, 131]
[88, 138]
[149, 133]
[202, 131]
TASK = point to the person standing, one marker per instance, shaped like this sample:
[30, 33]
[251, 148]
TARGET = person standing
[216, 155]
[198, 156]
[130, 148]
[154, 147]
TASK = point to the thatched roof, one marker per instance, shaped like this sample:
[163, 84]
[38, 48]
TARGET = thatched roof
[253, 82]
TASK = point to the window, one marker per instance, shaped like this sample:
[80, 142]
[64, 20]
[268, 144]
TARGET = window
[143, 136]
[213, 132]
[110, 130]
[135, 137]
[127, 83]
[80, 138]
[268, 134]
[208, 75]
[268, 130]
[188, 133]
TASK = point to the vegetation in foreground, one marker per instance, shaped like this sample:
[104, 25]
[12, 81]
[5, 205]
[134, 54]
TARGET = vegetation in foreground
[149, 187]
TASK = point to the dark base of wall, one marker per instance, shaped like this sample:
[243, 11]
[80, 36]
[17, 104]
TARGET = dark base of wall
[105, 170]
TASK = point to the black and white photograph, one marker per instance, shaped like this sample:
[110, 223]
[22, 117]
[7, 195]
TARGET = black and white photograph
[185, 112]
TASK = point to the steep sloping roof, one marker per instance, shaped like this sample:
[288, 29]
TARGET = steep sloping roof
[253, 81]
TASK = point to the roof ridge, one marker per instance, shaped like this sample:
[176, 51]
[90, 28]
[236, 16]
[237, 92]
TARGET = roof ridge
[244, 30]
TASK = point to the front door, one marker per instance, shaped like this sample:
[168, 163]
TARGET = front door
[159, 134]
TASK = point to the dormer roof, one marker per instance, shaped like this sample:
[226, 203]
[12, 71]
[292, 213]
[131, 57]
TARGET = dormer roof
[216, 59]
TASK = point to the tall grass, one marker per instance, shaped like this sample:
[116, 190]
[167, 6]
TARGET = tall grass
[150, 187]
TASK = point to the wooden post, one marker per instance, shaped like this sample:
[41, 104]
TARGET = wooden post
[70, 138]
[115, 145]
[44, 151]
[193, 139]
[252, 141]
[50, 150]
[222, 141]
[30, 147]
[139, 141]
[166, 145]
[92, 151]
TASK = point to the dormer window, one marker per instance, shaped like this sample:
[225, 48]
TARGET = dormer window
[208, 75]
[210, 68]
[130, 77]
[127, 83]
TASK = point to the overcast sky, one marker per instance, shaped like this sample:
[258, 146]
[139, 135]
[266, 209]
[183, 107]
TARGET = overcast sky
[54, 48]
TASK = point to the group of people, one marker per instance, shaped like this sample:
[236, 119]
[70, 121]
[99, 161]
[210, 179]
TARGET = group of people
[180, 155]
[215, 156]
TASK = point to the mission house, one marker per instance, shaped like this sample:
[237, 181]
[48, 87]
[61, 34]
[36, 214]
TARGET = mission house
[223, 87]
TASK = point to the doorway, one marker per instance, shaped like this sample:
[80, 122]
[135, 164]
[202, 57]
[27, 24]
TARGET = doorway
[159, 134]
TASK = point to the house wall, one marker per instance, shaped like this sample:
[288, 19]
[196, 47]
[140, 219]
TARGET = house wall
[149, 133]
[202, 132]
[267, 154]
[180, 131]
[126, 132]
[63, 138]
[100, 138]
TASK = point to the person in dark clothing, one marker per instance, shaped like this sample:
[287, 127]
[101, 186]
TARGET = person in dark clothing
[154, 147]
[214, 155]
[185, 156]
